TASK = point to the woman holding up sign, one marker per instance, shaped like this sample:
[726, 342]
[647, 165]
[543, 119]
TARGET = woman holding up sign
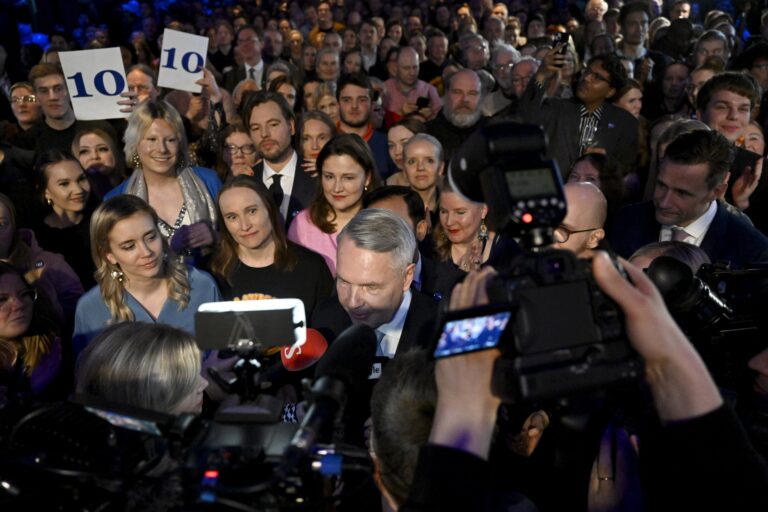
[182, 195]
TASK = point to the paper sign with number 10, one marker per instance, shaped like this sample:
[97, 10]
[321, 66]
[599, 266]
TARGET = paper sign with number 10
[182, 60]
[95, 79]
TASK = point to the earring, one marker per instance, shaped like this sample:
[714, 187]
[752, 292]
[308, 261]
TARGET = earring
[117, 275]
[482, 235]
[136, 162]
[48, 201]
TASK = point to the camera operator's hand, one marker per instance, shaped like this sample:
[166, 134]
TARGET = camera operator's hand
[614, 484]
[681, 385]
[526, 441]
[466, 409]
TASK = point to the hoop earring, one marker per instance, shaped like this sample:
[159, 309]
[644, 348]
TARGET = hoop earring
[482, 235]
[136, 161]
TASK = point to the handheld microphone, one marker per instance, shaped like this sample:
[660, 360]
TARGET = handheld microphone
[299, 357]
[343, 369]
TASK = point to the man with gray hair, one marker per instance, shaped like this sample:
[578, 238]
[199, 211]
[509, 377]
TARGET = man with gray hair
[374, 270]
[503, 58]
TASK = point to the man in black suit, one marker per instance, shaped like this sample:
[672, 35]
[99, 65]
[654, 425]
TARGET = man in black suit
[587, 122]
[249, 46]
[374, 272]
[692, 175]
[272, 124]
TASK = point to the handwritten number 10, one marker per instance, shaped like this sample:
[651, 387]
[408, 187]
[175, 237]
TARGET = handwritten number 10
[98, 83]
[186, 60]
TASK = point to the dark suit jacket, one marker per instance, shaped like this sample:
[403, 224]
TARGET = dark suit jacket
[729, 237]
[330, 319]
[617, 131]
[301, 194]
[233, 77]
[438, 278]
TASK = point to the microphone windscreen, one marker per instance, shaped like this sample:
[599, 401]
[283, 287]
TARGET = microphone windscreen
[350, 357]
[299, 357]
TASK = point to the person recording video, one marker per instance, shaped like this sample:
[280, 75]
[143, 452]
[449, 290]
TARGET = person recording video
[685, 397]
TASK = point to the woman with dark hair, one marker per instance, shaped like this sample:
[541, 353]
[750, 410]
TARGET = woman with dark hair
[97, 152]
[603, 172]
[30, 349]
[347, 170]
[63, 186]
[237, 154]
[138, 277]
[315, 130]
[255, 257]
[47, 271]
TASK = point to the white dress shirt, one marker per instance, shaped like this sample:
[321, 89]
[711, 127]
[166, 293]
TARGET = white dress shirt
[393, 329]
[288, 173]
[696, 230]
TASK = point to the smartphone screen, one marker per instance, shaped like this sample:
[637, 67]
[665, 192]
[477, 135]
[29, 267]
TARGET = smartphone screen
[471, 334]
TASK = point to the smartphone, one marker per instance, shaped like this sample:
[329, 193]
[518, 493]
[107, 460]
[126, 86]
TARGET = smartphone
[471, 333]
[744, 158]
[422, 102]
[562, 37]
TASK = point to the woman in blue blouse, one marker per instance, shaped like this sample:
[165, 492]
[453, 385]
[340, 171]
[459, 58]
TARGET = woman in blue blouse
[138, 278]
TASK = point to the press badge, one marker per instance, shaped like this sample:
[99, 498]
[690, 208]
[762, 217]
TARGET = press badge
[375, 372]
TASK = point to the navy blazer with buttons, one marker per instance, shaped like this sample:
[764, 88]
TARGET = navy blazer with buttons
[729, 237]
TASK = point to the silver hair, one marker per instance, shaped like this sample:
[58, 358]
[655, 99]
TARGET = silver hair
[426, 138]
[501, 47]
[382, 231]
[143, 117]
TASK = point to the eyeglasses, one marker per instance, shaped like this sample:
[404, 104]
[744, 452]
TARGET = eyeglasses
[504, 67]
[562, 233]
[248, 149]
[761, 67]
[26, 296]
[590, 72]
[30, 98]
[521, 80]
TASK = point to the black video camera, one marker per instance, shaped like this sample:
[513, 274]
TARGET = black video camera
[564, 335]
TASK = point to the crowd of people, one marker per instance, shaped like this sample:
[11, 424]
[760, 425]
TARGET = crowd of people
[313, 165]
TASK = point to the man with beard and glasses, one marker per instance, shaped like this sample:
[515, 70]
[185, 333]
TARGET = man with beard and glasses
[272, 124]
[355, 96]
[461, 114]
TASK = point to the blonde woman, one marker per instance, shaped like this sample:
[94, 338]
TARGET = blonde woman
[151, 366]
[182, 195]
[137, 277]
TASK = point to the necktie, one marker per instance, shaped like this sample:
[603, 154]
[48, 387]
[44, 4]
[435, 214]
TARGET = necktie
[252, 74]
[276, 190]
[379, 339]
[679, 234]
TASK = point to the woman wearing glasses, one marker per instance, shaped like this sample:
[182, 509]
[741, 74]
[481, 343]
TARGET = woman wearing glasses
[237, 154]
[30, 349]
[24, 104]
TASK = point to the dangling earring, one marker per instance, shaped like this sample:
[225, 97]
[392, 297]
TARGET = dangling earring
[117, 275]
[48, 201]
[482, 235]
[136, 162]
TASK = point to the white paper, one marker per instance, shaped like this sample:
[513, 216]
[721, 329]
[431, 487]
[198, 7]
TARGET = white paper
[182, 60]
[95, 79]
